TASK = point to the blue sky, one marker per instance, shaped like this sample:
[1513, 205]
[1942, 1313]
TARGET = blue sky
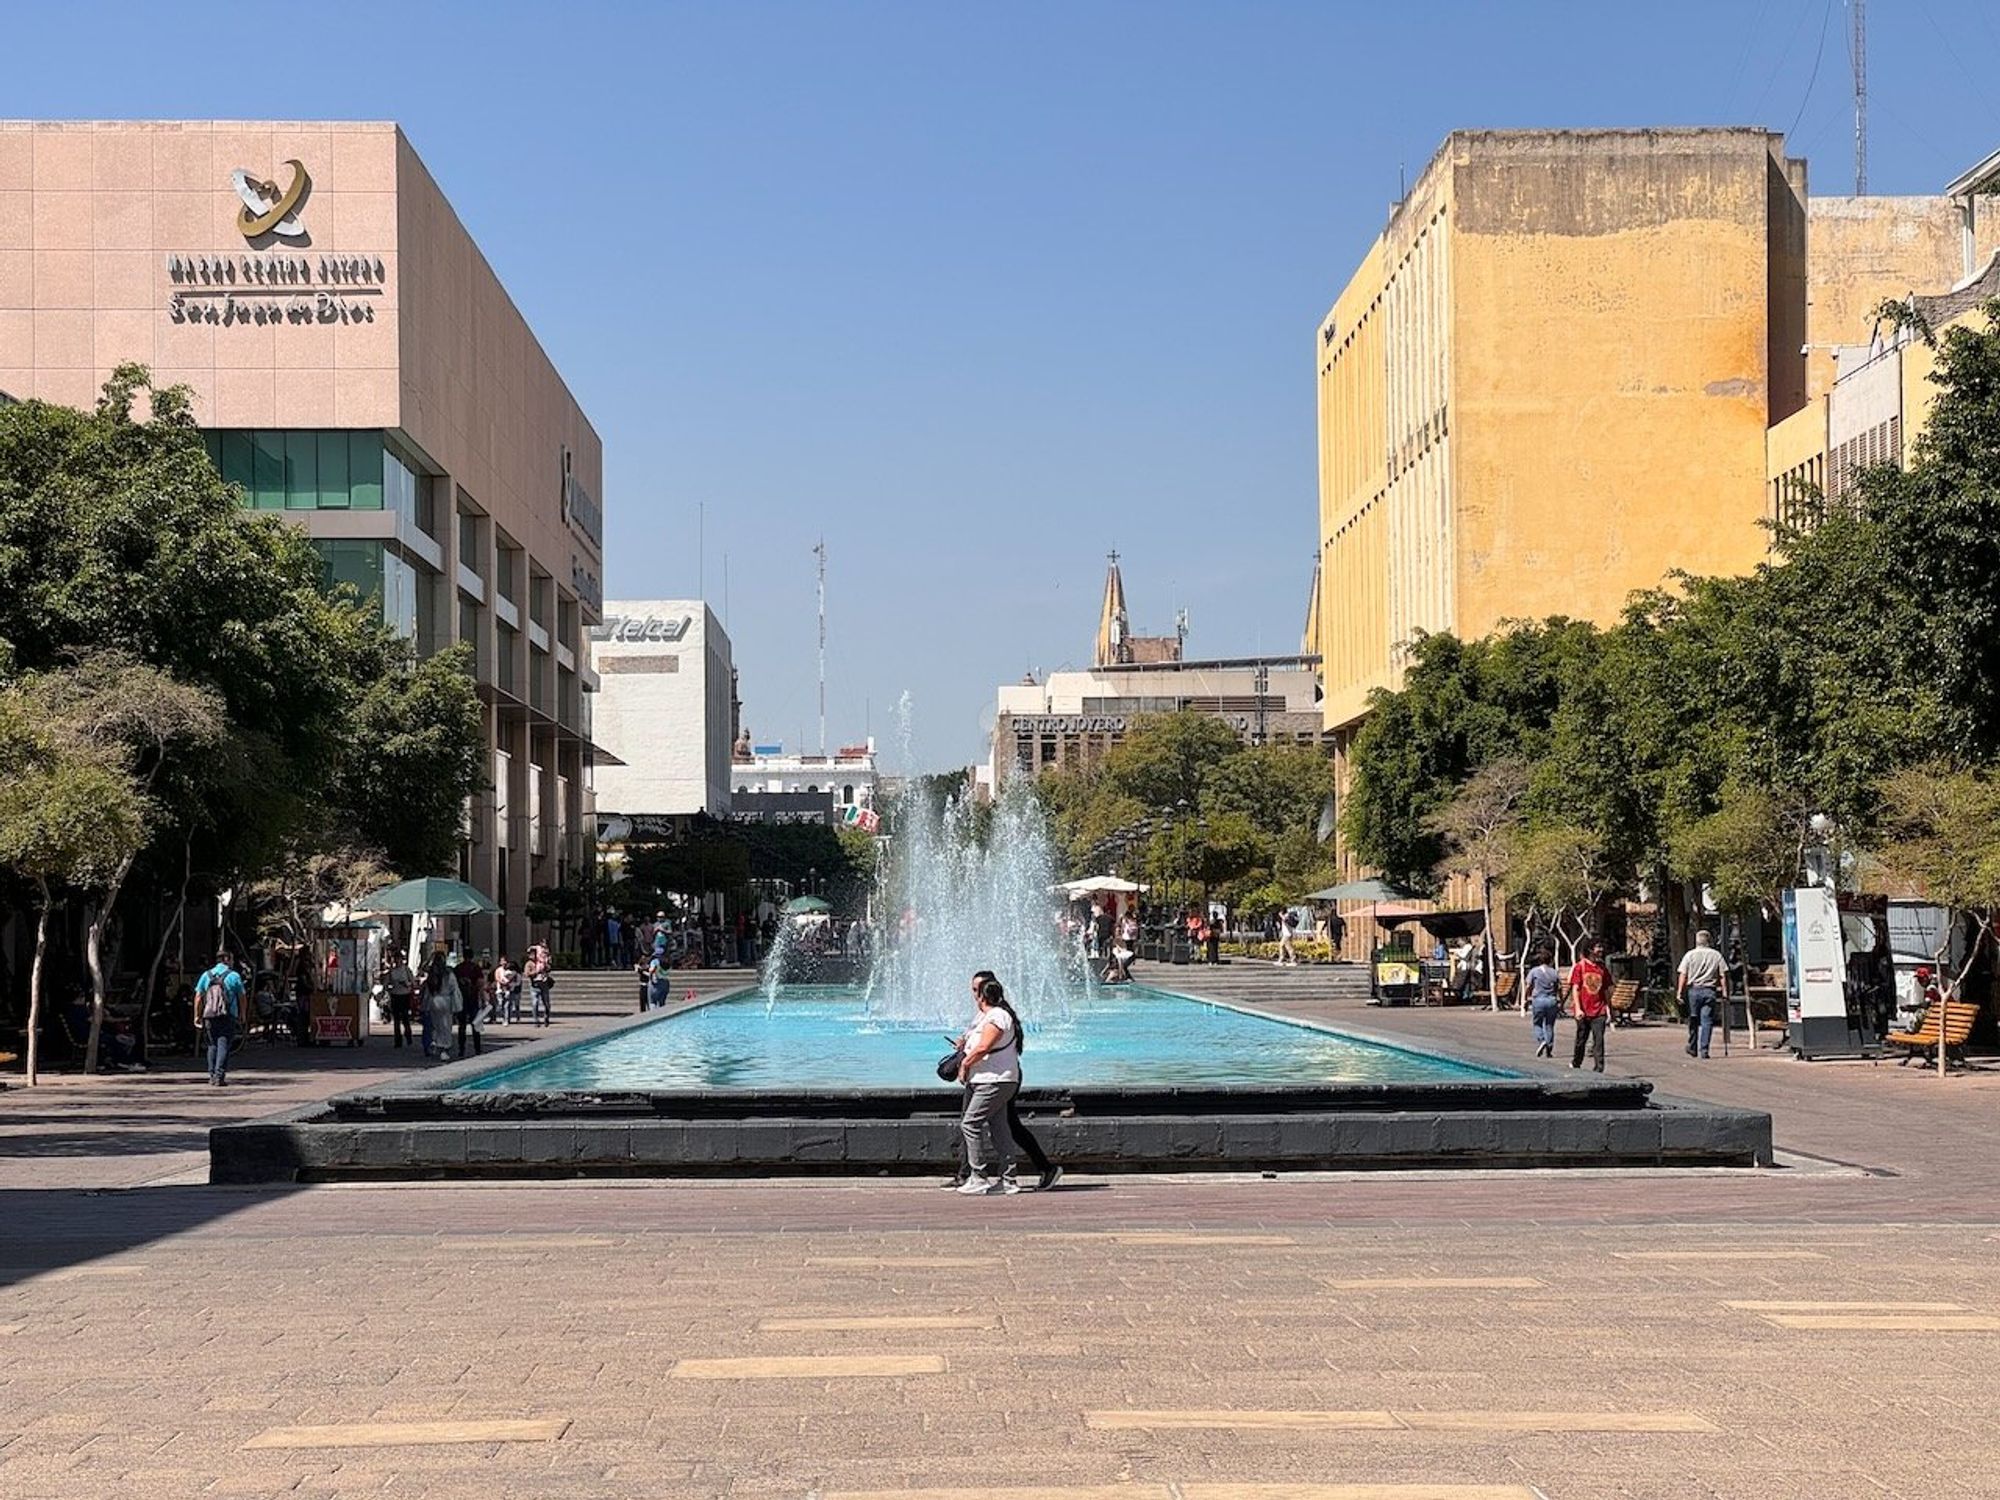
[977, 292]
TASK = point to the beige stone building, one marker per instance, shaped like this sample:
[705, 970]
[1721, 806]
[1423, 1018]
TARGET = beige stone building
[357, 366]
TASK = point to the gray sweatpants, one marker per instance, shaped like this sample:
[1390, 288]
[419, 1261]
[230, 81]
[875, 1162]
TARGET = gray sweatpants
[989, 1144]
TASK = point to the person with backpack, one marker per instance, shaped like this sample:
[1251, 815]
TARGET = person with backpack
[1288, 956]
[218, 998]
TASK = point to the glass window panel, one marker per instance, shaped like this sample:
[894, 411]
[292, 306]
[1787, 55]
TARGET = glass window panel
[332, 470]
[364, 470]
[212, 441]
[269, 450]
[238, 463]
[301, 471]
[399, 596]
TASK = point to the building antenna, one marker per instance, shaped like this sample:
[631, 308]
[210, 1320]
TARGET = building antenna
[819, 551]
[701, 549]
[1858, 46]
[725, 591]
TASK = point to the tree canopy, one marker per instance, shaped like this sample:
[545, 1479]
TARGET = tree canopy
[267, 719]
[1699, 732]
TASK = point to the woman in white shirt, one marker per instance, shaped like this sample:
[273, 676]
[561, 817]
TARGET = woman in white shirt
[991, 1073]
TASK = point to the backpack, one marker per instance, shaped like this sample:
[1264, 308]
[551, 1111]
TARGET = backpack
[214, 998]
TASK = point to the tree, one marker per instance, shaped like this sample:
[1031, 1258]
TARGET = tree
[1167, 759]
[130, 718]
[289, 901]
[1477, 828]
[417, 752]
[1559, 870]
[1279, 788]
[1746, 852]
[67, 818]
[1942, 827]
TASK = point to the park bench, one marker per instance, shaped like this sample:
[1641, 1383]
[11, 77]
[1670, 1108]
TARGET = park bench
[1627, 1002]
[1956, 1023]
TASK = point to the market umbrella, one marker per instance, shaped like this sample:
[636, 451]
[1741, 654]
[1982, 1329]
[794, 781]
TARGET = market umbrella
[1370, 889]
[431, 893]
[800, 906]
[1093, 885]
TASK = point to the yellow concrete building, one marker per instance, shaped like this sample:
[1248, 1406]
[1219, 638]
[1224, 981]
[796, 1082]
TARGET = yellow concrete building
[1548, 383]
[1550, 380]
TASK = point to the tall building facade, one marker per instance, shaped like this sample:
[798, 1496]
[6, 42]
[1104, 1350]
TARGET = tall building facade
[1549, 381]
[358, 368]
[1547, 384]
[666, 708]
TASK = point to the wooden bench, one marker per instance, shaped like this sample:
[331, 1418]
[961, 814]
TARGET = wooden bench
[1626, 1002]
[1505, 984]
[1956, 1023]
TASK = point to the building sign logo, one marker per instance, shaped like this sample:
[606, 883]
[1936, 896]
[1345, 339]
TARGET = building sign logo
[266, 209]
[643, 628]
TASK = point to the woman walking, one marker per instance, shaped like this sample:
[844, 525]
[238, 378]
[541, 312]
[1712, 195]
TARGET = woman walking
[992, 1075]
[441, 1002]
[1543, 990]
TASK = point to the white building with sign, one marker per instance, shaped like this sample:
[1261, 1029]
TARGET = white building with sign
[665, 708]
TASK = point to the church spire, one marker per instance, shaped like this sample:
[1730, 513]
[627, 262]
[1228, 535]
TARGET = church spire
[1113, 628]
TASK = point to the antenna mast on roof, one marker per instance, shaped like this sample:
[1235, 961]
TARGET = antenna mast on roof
[819, 551]
[1858, 46]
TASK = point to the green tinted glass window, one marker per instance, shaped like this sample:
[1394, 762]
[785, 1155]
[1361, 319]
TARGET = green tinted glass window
[301, 471]
[358, 564]
[364, 470]
[269, 451]
[238, 466]
[333, 476]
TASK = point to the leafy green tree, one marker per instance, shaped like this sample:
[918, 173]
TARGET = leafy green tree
[131, 719]
[68, 817]
[1279, 788]
[416, 751]
[1747, 851]
[1167, 759]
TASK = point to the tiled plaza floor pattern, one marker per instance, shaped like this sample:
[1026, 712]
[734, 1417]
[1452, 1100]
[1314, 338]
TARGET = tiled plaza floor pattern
[257, 1355]
[1813, 1333]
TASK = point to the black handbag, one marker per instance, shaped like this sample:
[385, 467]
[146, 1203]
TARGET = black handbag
[949, 1064]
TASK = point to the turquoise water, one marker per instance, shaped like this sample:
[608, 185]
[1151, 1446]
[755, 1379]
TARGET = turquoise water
[824, 1037]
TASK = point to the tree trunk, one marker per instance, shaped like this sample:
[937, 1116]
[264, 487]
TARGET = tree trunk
[1486, 916]
[35, 985]
[160, 953]
[93, 950]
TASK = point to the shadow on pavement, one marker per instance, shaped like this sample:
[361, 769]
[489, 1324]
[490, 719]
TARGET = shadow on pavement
[54, 1229]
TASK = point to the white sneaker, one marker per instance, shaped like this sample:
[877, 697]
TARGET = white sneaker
[978, 1187]
[1009, 1185]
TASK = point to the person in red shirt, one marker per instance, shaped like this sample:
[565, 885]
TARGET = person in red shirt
[1589, 996]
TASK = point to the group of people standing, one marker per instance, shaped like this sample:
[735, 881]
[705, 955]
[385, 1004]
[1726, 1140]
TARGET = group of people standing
[989, 1071]
[463, 994]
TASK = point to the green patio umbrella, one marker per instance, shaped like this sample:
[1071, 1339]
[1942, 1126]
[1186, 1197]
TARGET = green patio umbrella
[800, 906]
[1370, 889]
[432, 893]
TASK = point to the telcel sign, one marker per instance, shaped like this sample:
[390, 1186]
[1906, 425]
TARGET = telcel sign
[644, 628]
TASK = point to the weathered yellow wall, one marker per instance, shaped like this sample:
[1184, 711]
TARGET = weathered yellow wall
[1354, 632]
[1861, 250]
[1612, 380]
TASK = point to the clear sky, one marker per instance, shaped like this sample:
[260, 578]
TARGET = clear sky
[977, 292]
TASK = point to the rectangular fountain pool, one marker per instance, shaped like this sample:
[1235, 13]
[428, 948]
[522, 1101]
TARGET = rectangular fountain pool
[825, 1037]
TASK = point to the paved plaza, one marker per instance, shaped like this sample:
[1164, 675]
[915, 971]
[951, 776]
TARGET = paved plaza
[1827, 1329]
